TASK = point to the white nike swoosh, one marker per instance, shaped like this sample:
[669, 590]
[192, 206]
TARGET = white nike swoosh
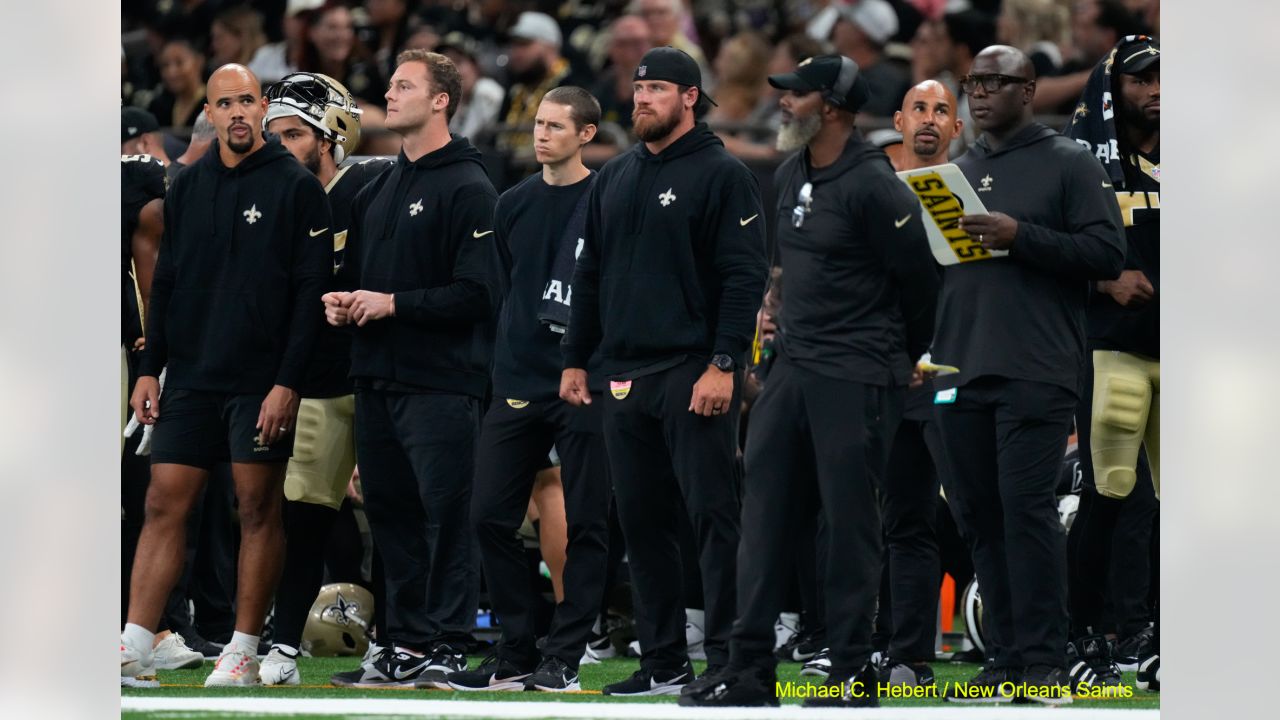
[316, 233]
[654, 684]
[903, 221]
[478, 235]
[743, 223]
[1106, 184]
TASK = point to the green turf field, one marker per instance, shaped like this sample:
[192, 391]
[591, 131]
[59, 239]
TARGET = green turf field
[316, 671]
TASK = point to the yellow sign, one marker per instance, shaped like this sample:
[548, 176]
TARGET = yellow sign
[946, 211]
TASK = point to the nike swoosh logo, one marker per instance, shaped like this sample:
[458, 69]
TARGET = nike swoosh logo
[743, 223]
[316, 233]
[1106, 184]
[903, 221]
[408, 673]
[654, 684]
[288, 673]
[478, 235]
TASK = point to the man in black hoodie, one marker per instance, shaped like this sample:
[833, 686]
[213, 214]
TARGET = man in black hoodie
[1014, 325]
[234, 316]
[666, 289]
[861, 289]
[421, 250]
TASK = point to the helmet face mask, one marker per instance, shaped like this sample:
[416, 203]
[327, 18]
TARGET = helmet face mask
[321, 102]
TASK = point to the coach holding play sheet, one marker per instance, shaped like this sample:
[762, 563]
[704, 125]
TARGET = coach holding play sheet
[667, 287]
[1014, 326]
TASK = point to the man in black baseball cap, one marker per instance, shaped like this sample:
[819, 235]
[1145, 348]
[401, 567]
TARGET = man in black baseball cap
[666, 288]
[140, 134]
[836, 77]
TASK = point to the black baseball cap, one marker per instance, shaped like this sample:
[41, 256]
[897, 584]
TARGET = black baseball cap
[671, 65]
[1137, 54]
[822, 73]
[136, 121]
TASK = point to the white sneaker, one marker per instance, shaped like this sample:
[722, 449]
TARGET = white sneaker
[136, 669]
[235, 668]
[172, 653]
[279, 669]
[589, 657]
[787, 625]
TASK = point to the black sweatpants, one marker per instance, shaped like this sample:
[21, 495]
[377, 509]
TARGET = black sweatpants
[514, 442]
[1002, 444]
[417, 455]
[657, 449]
[842, 429]
[910, 533]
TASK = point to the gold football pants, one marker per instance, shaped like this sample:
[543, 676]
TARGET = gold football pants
[324, 451]
[1126, 415]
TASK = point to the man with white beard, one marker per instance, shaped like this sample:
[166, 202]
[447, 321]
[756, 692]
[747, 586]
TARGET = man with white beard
[861, 290]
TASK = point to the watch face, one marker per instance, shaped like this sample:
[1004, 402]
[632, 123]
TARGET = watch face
[722, 362]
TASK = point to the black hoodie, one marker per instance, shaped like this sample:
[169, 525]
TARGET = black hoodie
[673, 264]
[861, 282]
[423, 230]
[245, 257]
[1023, 316]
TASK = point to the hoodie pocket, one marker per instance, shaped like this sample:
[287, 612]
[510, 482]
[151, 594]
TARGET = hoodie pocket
[215, 328]
[647, 314]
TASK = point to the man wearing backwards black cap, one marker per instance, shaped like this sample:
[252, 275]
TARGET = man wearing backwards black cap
[861, 288]
[667, 287]
[1118, 120]
[1014, 325]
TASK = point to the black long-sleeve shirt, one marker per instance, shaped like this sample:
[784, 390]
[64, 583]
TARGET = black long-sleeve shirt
[861, 281]
[673, 264]
[423, 231]
[235, 302]
[1022, 316]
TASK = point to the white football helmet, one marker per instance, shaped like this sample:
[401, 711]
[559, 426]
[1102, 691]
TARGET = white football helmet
[339, 622]
[321, 102]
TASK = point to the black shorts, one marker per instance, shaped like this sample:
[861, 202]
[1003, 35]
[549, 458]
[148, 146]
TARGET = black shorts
[202, 429]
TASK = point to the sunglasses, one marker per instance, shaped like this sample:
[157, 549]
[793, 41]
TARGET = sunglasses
[804, 205]
[990, 83]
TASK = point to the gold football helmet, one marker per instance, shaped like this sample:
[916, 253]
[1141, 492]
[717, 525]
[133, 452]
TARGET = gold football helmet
[321, 102]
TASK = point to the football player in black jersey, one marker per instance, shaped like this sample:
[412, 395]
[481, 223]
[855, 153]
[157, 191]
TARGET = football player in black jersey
[316, 119]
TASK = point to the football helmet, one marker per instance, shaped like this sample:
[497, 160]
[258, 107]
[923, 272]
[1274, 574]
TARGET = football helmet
[321, 102]
[339, 621]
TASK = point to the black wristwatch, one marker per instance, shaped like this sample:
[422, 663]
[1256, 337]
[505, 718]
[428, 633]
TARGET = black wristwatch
[722, 362]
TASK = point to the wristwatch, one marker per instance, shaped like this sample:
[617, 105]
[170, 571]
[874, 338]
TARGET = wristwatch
[722, 362]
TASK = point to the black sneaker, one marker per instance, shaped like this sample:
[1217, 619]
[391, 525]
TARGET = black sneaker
[708, 677]
[895, 673]
[390, 669]
[847, 689]
[800, 648]
[658, 682]
[1090, 661]
[1044, 684]
[493, 674]
[442, 662]
[1149, 674]
[204, 647]
[992, 685]
[351, 677]
[730, 688]
[553, 675]
[819, 665]
[1133, 649]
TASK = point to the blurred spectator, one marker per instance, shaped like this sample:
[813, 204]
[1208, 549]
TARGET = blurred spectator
[202, 136]
[628, 42]
[742, 66]
[234, 37]
[1096, 26]
[330, 47]
[275, 60]
[387, 32]
[182, 79]
[535, 66]
[481, 96]
[188, 18]
[944, 50]
[1038, 28]
[423, 37]
[667, 19]
[860, 33]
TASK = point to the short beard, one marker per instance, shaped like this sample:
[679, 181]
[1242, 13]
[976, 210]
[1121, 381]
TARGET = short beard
[924, 152]
[797, 133]
[658, 129]
[312, 161]
[240, 148]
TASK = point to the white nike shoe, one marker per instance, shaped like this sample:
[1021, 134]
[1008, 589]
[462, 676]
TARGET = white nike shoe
[172, 653]
[786, 626]
[235, 668]
[136, 668]
[279, 669]
[589, 657]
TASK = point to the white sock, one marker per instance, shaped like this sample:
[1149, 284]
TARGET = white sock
[406, 650]
[138, 638]
[697, 617]
[248, 644]
[289, 651]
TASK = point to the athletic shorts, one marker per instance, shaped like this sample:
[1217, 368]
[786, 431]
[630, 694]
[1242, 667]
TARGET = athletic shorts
[324, 451]
[202, 429]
